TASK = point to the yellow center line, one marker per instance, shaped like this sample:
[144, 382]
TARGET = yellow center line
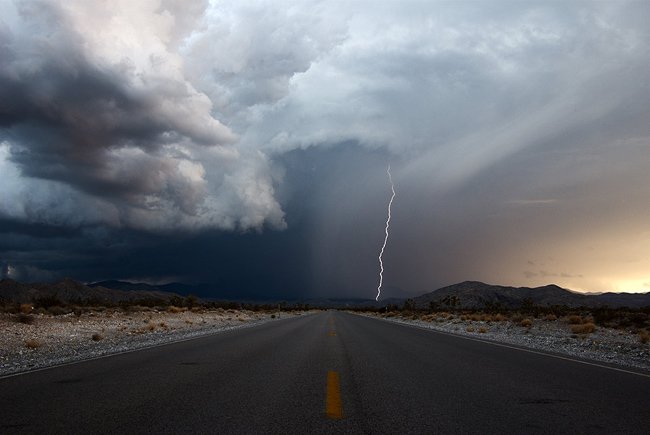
[333, 407]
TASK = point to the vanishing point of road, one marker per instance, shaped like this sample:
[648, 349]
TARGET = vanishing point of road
[330, 372]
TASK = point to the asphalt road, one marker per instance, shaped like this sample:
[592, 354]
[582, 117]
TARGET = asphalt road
[327, 373]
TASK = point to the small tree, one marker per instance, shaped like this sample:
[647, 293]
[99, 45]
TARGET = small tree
[191, 301]
[409, 305]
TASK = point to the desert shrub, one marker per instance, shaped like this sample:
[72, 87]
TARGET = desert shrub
[482, 330]
[635, 319]
[272, 316]
[644, 336]
[97, 337]
[526, 323]
[550, 317]
[26, 319]
[583, 328]
[190, 301]
[33, 343]
[174, 309]
[499, 317]
[58, 310]
[575, 320]
[517, 318]
[26, 308]
[470, 329]
[48, 301]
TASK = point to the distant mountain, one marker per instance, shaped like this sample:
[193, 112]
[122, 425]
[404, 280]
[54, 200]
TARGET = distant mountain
[205, 291]
[70, 291]
[474, 294]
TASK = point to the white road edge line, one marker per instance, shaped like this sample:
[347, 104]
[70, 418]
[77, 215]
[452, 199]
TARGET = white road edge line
[522, 349]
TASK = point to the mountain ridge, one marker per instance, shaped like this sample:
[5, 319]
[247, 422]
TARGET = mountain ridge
[476, 294]
[70, 291]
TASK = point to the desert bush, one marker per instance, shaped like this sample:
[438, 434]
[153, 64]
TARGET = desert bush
[97, 337]
[517, 318]
[482, 330]
[550, 317]
[272, 316]
[526, 323]
[174, 309]
[583, 328]
[26, 319]
[499, 317]
[26, 308]
[48, 301]
[575, 320]
[58, 310]
[644, 336]
[635, 319]
[33, 343]
[470, 329]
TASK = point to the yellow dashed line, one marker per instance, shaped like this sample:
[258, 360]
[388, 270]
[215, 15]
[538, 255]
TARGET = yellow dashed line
[333, 407]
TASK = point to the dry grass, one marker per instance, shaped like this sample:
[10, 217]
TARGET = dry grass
[174, 309]
[33, 343]
[575, 320]
[526, 323]
[584, 328]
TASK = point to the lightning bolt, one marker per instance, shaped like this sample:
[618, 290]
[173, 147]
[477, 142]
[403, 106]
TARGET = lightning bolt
[381, 253]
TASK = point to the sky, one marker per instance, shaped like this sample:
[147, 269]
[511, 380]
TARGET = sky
[244, 144]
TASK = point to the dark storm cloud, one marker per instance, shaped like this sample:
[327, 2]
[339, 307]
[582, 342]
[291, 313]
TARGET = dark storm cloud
[128, 133]
[132, 133]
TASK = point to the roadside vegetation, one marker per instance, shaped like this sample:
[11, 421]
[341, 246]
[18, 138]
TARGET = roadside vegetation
[27, 312]
[579, 322]
[35, 323]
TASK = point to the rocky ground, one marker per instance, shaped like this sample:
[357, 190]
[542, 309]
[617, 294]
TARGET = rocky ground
[621, 347]
[30, 341]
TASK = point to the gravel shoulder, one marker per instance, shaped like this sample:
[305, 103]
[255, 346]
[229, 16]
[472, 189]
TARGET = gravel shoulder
[617, 347]
[44, 340]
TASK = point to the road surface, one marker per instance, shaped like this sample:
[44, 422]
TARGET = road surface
[329, 372]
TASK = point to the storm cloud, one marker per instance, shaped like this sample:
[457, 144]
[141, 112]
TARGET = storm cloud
[517, 132]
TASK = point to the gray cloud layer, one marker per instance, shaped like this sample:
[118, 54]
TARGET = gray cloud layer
[517, 131]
